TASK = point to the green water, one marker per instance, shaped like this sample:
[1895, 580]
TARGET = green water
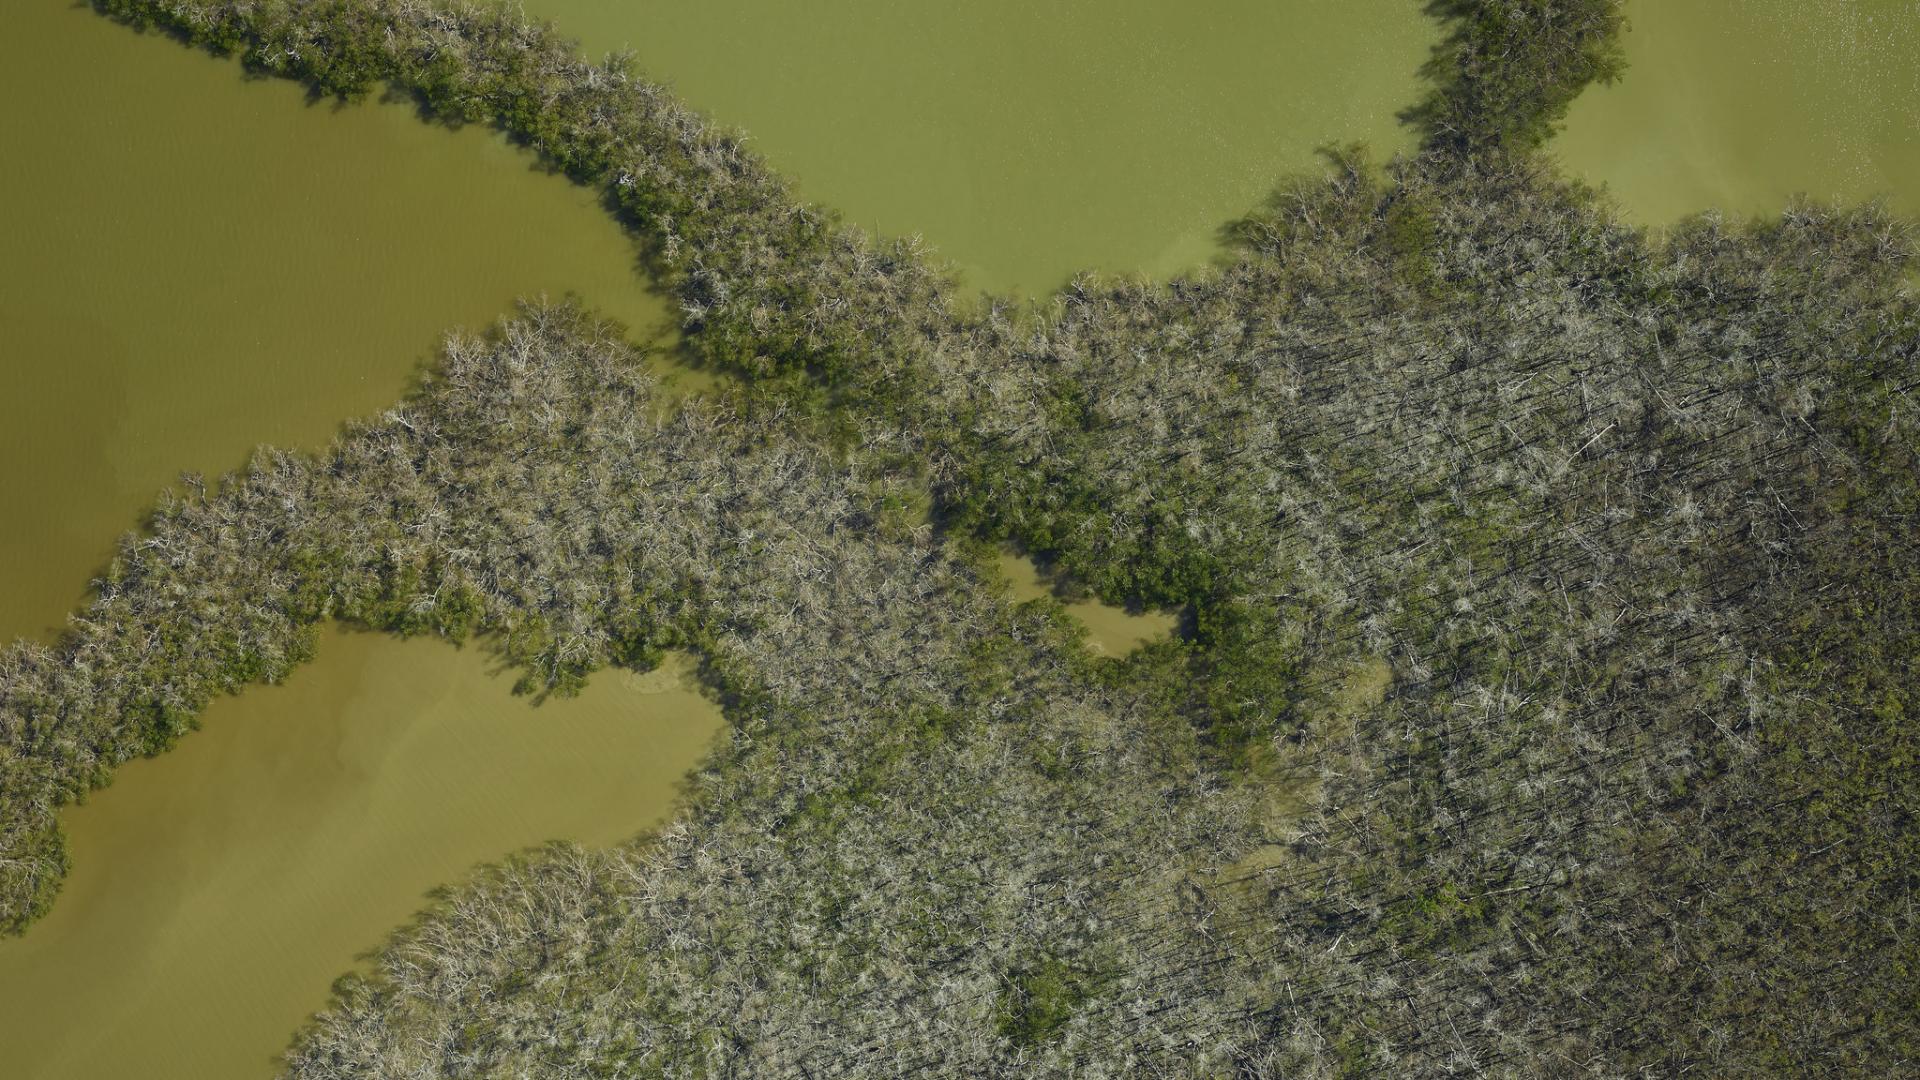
[1740, 104]
[193, 264]
[218, 890]
[1028, 140]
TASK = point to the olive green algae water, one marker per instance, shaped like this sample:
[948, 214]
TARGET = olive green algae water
[1739, 105]
[1027, 141]
[219, 889]
[193, 264]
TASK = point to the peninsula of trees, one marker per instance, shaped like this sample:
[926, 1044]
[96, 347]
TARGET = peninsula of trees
[1543, 704]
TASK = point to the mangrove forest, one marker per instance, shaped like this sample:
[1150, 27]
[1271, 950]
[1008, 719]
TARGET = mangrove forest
[1522, 684]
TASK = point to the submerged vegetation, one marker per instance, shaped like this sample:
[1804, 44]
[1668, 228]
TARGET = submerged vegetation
[1550, 593]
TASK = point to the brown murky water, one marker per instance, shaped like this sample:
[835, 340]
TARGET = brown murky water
[219, 889]
[192, 264]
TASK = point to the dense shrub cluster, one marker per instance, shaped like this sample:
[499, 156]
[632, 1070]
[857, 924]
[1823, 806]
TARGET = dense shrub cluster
[1551, 591]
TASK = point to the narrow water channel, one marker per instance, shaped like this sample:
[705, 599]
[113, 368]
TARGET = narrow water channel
[1738, 105]
[218, 890]
[1027, 141]
[195, 263]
